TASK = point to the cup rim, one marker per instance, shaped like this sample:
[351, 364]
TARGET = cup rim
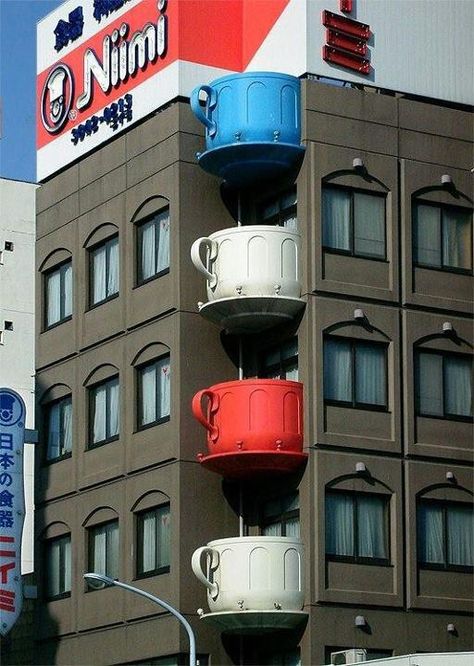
[257, 539]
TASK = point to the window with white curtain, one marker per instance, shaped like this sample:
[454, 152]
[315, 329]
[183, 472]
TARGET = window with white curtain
[104, 549]
[58, 294]
[104, 271]
[154, 392]
[354, 222]
[153, 246]
[443, 385]
[355, 373]
[59, 429]
[280, 516]
[153, 541]
[445, 534]
[57, 553]
[104, 411]
[442, 237]
[280, 211]
[357, 527]
[280, 361]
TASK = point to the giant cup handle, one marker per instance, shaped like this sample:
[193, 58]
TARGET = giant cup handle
[198, 262]
[210, 105]
[198, 572]
[198, 413]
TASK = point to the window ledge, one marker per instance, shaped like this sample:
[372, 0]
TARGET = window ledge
[353, 255]
[147, 426]
[140, 283]
[362, 407]
[64, 456]
[447, 568]
[58, 597]
[371, 561]
[460, 419]
[56, 324]
[445, 269]
[155, 572]
[105, 300]
[96, 445]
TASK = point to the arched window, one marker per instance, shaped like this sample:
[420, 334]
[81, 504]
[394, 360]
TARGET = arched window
[103, 255]
[357, 517]
[153, 534]
[445, 531]
[104, 405]
[356, 368]
[57, 434]
[103, 542]
[57, 561]
[57, 288]
[442, 236]
[153, 382]
[152, 223]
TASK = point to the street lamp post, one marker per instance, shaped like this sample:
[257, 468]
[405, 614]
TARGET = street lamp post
[90, 577]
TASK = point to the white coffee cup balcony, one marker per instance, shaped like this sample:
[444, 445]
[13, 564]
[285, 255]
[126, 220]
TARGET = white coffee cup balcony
[252, 573]
[257, 260]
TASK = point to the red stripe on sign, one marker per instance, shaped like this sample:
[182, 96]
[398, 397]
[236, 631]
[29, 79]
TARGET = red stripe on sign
[7, 539]
[136, 18]
[7, 553]
[7, 600]
[218, 33]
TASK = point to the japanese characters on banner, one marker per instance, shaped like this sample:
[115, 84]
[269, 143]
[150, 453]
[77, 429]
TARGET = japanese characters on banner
[12, 506]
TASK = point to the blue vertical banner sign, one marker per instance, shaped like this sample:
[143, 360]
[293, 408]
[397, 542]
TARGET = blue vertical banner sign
[12, 506]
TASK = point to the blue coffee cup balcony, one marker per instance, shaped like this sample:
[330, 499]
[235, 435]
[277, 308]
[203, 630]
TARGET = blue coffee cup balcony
[252, 123]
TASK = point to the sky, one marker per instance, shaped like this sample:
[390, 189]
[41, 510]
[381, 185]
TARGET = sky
[18, 20]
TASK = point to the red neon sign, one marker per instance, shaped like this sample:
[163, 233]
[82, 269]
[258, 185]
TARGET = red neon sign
[341, 41]
[346, 25]
[347, 60]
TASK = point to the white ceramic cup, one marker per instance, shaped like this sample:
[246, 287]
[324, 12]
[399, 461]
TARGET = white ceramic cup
[252, 573]
[258, 260]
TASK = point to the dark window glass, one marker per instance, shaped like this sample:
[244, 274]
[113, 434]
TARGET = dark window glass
[153, 541]
[281, 361]
[355, 373]
[445, 535]
[442, 237]
[58, 294]
[354, 222]
[104, 411]
[104, 549]
[280, 210]
[154, 392]
[59, 432]
[153, 246]
[280, 657]
[281, 516]
[104, 271]
[357, 527]
[444, 385]
[58, 567]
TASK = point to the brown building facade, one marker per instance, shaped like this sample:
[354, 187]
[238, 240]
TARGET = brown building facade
[383, 348]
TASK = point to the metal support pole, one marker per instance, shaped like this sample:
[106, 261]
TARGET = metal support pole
[110, 581]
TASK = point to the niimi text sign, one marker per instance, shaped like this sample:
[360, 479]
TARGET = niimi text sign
[103, 65]
[12, 506]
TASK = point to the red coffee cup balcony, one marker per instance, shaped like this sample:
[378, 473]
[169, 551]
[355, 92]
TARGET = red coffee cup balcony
[253, 426]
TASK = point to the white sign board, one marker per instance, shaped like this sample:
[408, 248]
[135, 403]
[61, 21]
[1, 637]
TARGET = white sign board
[103, 65]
